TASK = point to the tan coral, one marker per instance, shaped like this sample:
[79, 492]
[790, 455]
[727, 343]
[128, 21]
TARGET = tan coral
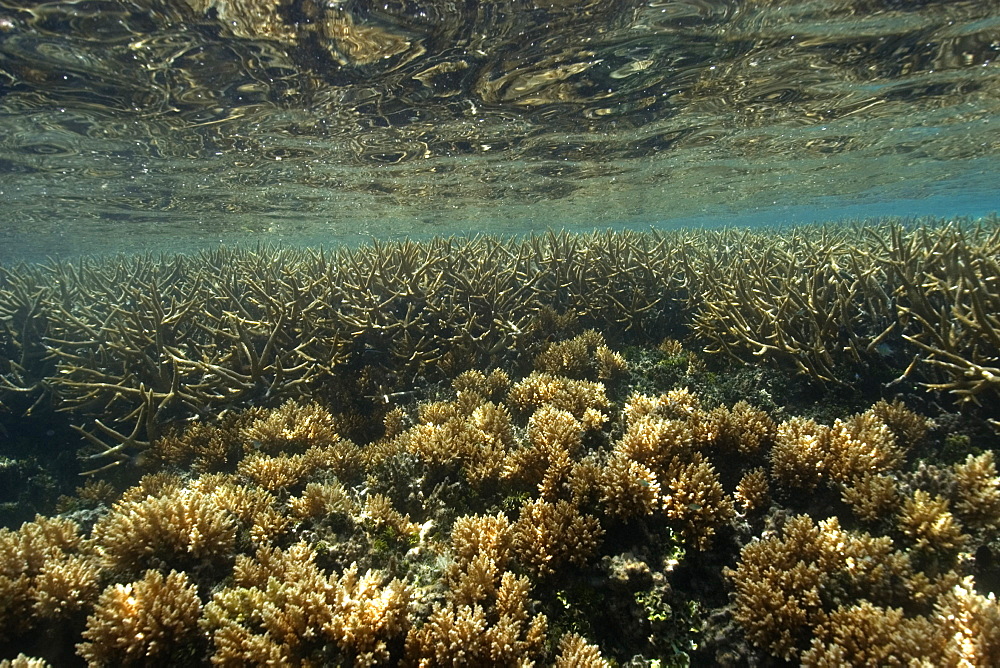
[584, 357]
[187, 528]
[284, 609]
[655, 441]
[45, 570]
[929, 524]
[576, 652]
[66, 586]
[969, 624]
[867, 635]
[872, 496]
[147, 621]
[292, 427]
[977, 492]
[575, 396]
[24, 661]
[742, 428]
[798, 459]
[694, 499]
[627, 488]
[784, 582]
[550, 535]
[499, 631]
[908, 427]
[752, 491]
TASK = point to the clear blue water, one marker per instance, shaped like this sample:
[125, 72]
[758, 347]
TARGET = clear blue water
[177, 125]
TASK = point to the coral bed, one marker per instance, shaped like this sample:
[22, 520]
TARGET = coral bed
[587, 505]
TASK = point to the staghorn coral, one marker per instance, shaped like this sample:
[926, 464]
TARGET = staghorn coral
[236, 326]
[283, 609]
[977, 492]
[548, 535]
[151, 620]
[187, 528]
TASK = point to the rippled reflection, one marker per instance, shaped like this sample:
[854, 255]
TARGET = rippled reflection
[426, 115]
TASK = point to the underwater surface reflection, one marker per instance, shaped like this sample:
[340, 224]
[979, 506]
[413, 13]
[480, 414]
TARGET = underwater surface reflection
[172, 124]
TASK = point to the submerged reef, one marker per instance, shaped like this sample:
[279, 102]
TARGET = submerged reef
[499, 452]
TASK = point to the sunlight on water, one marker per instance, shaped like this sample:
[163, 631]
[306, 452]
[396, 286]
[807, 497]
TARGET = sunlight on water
[179, 124]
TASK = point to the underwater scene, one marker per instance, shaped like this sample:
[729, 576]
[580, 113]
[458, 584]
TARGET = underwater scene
[515, 333]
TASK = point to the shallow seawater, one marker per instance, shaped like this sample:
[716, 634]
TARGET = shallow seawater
[150, 124]
[442, 332]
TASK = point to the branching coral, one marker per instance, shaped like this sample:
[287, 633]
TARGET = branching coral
[47, 571]
[787, 585]
[486, 619]
[977, 492]
[183, 529]
[549, 535]
[283, 609]
[693, 498]
[576, 652]
[574, 396]
[584, 357]
[806, 454]
[872, 497]
[148, 621]
[928, 523]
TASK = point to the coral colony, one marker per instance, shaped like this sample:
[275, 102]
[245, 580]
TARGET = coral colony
[620, 448]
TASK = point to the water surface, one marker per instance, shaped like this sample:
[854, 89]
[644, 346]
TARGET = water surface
[179, 124]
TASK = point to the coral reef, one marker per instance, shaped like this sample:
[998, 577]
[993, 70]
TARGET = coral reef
[403, 454]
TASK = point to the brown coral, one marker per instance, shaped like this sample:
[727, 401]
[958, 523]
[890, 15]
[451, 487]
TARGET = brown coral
[549, 535]
[584, 357]
[147, 621]
[575, 396]
[752, 491]
[977, 492]
[576, 652]
[283, 609]
[187, 528]
[929, 524]
[693, 498]
[785, 583]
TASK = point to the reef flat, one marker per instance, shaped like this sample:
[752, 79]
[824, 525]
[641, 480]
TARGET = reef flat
[623, 448]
